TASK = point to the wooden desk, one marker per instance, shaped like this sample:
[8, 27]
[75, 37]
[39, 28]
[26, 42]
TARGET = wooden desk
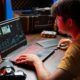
[51, 63]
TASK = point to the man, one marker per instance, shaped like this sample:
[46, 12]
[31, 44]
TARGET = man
[67, 16]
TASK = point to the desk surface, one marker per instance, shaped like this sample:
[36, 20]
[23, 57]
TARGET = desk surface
[50, 64]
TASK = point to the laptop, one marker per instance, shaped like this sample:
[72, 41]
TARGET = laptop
[13, 42]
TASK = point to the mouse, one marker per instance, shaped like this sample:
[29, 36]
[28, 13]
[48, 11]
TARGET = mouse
[63, 46]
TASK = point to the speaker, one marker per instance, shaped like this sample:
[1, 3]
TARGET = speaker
[37, 23]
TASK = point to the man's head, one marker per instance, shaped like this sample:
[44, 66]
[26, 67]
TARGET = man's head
[67, 13]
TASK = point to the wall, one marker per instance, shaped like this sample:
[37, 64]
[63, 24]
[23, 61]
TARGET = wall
[9, 12]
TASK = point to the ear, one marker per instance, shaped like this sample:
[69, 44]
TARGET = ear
[69, 22]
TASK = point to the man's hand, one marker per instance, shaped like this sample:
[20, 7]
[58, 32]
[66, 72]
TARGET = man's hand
[64, 43]
[30, 59]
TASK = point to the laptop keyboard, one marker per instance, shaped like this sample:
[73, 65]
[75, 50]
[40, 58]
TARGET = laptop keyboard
[43, 54]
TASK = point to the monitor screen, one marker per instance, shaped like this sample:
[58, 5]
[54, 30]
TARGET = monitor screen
[5, 29]
[30, 4]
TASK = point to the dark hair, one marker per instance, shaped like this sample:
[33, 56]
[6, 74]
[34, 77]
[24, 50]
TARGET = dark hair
[68, 9]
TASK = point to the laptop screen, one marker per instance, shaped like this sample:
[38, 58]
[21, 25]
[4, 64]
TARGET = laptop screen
[11, 36]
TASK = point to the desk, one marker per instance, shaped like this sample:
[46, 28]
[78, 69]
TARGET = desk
[50, 64]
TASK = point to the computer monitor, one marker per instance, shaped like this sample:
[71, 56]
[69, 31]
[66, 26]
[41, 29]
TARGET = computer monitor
[11, 36]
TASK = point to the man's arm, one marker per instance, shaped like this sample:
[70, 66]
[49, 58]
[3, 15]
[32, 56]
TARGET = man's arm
[58, 74]
[41, 71]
